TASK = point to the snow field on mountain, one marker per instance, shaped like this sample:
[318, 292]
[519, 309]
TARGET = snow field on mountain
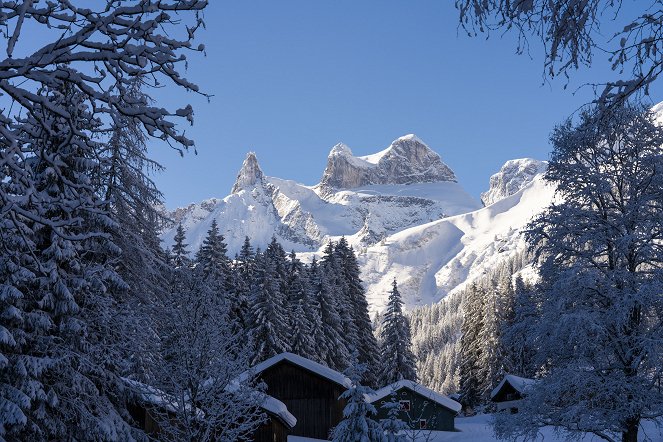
[434, 259]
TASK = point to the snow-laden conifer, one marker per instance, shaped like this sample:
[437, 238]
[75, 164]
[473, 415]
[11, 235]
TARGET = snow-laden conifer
[397, 362]
[365, 342]
[600, 254]
[358, 424]
[180, 253]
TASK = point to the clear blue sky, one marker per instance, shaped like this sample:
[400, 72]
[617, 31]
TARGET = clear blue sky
[292, 78]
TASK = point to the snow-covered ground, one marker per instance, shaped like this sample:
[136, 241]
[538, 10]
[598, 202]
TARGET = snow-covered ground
[479, 429]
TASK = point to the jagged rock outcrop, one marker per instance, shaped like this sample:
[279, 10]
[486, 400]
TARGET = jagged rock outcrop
[512, 177]
[249, 175]
[407, 160]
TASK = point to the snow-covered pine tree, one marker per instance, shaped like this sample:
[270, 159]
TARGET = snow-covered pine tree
[179, 253]
[332, 346]
[331, 269]
[601, 281]
[243, 272]
[470, 356]
[299, 306]
[133, 200]
[62, 368]
[57, 301]
[358, 424]
[212, 256]
[397, 362]
[269, 312]
[393, 427]
[366, 344]
[519, 340]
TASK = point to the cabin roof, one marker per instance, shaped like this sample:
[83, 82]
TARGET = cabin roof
[154, 396]
[279, 409]
[519, 384]
[417, 388]
[300, 361]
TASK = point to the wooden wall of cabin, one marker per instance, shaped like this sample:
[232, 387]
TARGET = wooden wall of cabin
[438, 418]
[312, 399]
[271, 431]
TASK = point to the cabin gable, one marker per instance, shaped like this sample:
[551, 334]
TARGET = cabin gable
[313, 399]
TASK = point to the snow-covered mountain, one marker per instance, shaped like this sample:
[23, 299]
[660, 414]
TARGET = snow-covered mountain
[401, 208]
[432, 260]
[364, 199]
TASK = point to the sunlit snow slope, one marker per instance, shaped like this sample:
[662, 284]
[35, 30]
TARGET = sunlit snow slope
[432, 260]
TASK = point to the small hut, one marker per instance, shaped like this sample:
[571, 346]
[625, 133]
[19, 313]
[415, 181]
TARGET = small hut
[510, 391]
[420, 407]
[309, 390]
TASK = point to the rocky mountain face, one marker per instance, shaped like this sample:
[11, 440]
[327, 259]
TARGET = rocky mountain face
[364, 199]
[512, 177]
[408, 160]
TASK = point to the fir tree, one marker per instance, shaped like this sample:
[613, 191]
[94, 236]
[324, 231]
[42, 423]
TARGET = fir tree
[470, 347]
[357, 424]
[301, 341]
[60, 361]
[332, 345]
[179, 252]
[361, 333]
[397, 359]
[213, 259]
[269, 314]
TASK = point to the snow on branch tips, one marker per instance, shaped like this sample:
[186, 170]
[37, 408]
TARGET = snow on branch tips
[574, 31]
[98, 53]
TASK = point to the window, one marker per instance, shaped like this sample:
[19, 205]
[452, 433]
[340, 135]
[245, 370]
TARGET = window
[422, 423]
[405, 405]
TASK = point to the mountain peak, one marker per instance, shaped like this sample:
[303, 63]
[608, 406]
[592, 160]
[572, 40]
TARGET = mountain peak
[409, 137]
[340, 149]
[407, 160]
[249, 174]
[512, 177]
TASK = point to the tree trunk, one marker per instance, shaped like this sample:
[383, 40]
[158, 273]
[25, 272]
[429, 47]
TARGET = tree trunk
[630, 434]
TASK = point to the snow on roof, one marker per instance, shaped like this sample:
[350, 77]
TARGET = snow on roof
[518, 383]
[279, 409]
[153, 396]
[417, 388]
[300, 361]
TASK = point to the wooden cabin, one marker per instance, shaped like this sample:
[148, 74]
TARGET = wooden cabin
[510, 391]
[309, 390]
[420, 407]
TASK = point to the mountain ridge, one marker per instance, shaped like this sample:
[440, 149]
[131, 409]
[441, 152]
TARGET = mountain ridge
[392, 214]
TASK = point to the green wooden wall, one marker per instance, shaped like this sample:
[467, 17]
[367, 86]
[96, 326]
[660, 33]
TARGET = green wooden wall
[438, 418]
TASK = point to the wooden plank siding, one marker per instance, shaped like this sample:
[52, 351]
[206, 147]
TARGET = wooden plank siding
[311, 398]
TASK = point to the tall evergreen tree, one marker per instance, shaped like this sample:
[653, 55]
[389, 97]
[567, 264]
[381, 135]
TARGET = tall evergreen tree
[470, 381]
[361, 333]
[269, 313]
[179, 252]
[332, 344]
[299, 305]
[212, 256]
[397, 360]
[59, 361]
